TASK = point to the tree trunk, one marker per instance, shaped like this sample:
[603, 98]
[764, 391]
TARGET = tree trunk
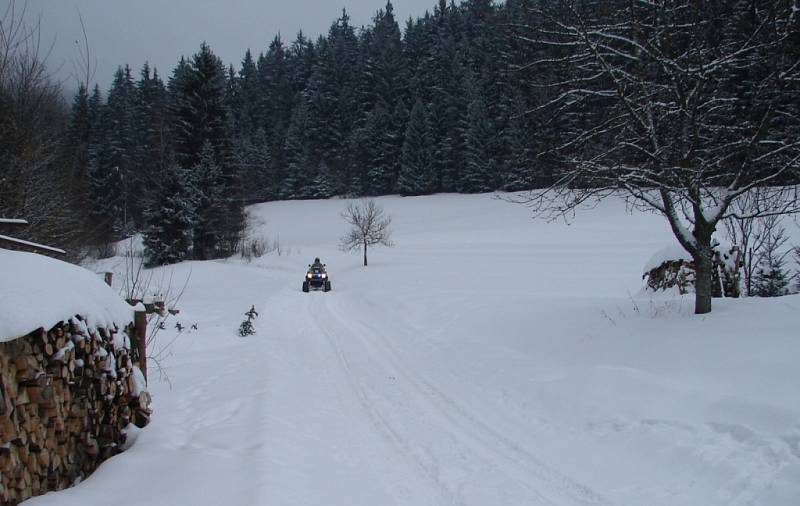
[365, 254]
[703, 271]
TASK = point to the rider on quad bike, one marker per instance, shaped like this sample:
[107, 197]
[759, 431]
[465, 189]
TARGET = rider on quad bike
[317, 277]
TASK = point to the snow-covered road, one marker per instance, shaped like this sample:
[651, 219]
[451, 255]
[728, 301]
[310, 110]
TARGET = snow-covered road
[487, 359]
[382, 432]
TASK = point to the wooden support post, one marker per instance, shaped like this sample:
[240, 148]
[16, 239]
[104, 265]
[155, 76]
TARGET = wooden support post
[140, 324]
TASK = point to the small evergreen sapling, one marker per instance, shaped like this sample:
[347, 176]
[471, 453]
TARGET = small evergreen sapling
[246, 328]
[770, 279]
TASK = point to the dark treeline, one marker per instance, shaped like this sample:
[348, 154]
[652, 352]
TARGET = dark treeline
[454, 101]
[437, 106]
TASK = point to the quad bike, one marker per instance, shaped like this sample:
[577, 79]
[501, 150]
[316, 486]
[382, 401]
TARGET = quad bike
[316, 279]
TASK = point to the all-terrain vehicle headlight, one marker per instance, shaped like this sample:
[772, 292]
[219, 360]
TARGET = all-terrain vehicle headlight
[324, 275]
[308, 275]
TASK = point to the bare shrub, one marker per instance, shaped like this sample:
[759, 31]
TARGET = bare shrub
[257, 247]
[156, 289]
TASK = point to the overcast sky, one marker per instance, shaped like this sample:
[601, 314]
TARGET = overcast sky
[160, 31]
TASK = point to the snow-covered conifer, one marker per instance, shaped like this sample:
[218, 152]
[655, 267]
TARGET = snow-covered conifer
[416, 176]
[480, 166]
[170, 219]
[771, 278]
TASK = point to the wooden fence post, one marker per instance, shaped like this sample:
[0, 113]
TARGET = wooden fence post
[140, 324]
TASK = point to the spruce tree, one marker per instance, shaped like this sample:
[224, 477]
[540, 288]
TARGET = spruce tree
[170, 219]
[770, 279]
[416, 177]
[105, 184]
[252, 153]
[488, 55]
[178, 105]
[77, 156]
[100, 222]
[202, 139]
[210, 209]
[380, 155]
[302, 56]
[332, 100]
[517, 170]
[120, 142]
[479, 168]
[111, 157]
[362, 148]
[386, 72]
[246, 105]
[387, 64]
[299, 176]
[442, 71]
[275, 100]
[150, 139]
[322, 185]
[200, 109]
[79, 130]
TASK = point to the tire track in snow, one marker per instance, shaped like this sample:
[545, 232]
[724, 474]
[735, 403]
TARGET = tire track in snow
[315, 412]
[474, 437]
[380, 423]
[429, 469]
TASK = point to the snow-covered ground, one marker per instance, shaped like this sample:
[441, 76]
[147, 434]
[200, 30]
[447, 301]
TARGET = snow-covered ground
[487, 359]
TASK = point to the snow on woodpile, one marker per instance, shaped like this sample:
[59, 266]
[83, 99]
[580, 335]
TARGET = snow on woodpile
[671, 253]
[37, 291]
[672, 267]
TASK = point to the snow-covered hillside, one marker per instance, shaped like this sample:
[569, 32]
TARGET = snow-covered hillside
[487, 359]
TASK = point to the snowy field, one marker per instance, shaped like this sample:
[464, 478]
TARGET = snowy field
[486, 359]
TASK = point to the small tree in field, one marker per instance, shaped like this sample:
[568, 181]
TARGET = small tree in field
[369, 227]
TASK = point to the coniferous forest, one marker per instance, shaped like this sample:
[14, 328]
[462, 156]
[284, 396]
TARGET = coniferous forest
[448, 102]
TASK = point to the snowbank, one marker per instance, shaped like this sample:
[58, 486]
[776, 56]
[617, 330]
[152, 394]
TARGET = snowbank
[38, 291]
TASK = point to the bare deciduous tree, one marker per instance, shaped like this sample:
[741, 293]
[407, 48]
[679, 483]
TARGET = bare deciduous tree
[681, 106]
[370, 227]
[33, 182]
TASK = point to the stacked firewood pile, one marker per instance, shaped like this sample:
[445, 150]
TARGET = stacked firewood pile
[677, 273]
[66, 397]
[680, 273]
